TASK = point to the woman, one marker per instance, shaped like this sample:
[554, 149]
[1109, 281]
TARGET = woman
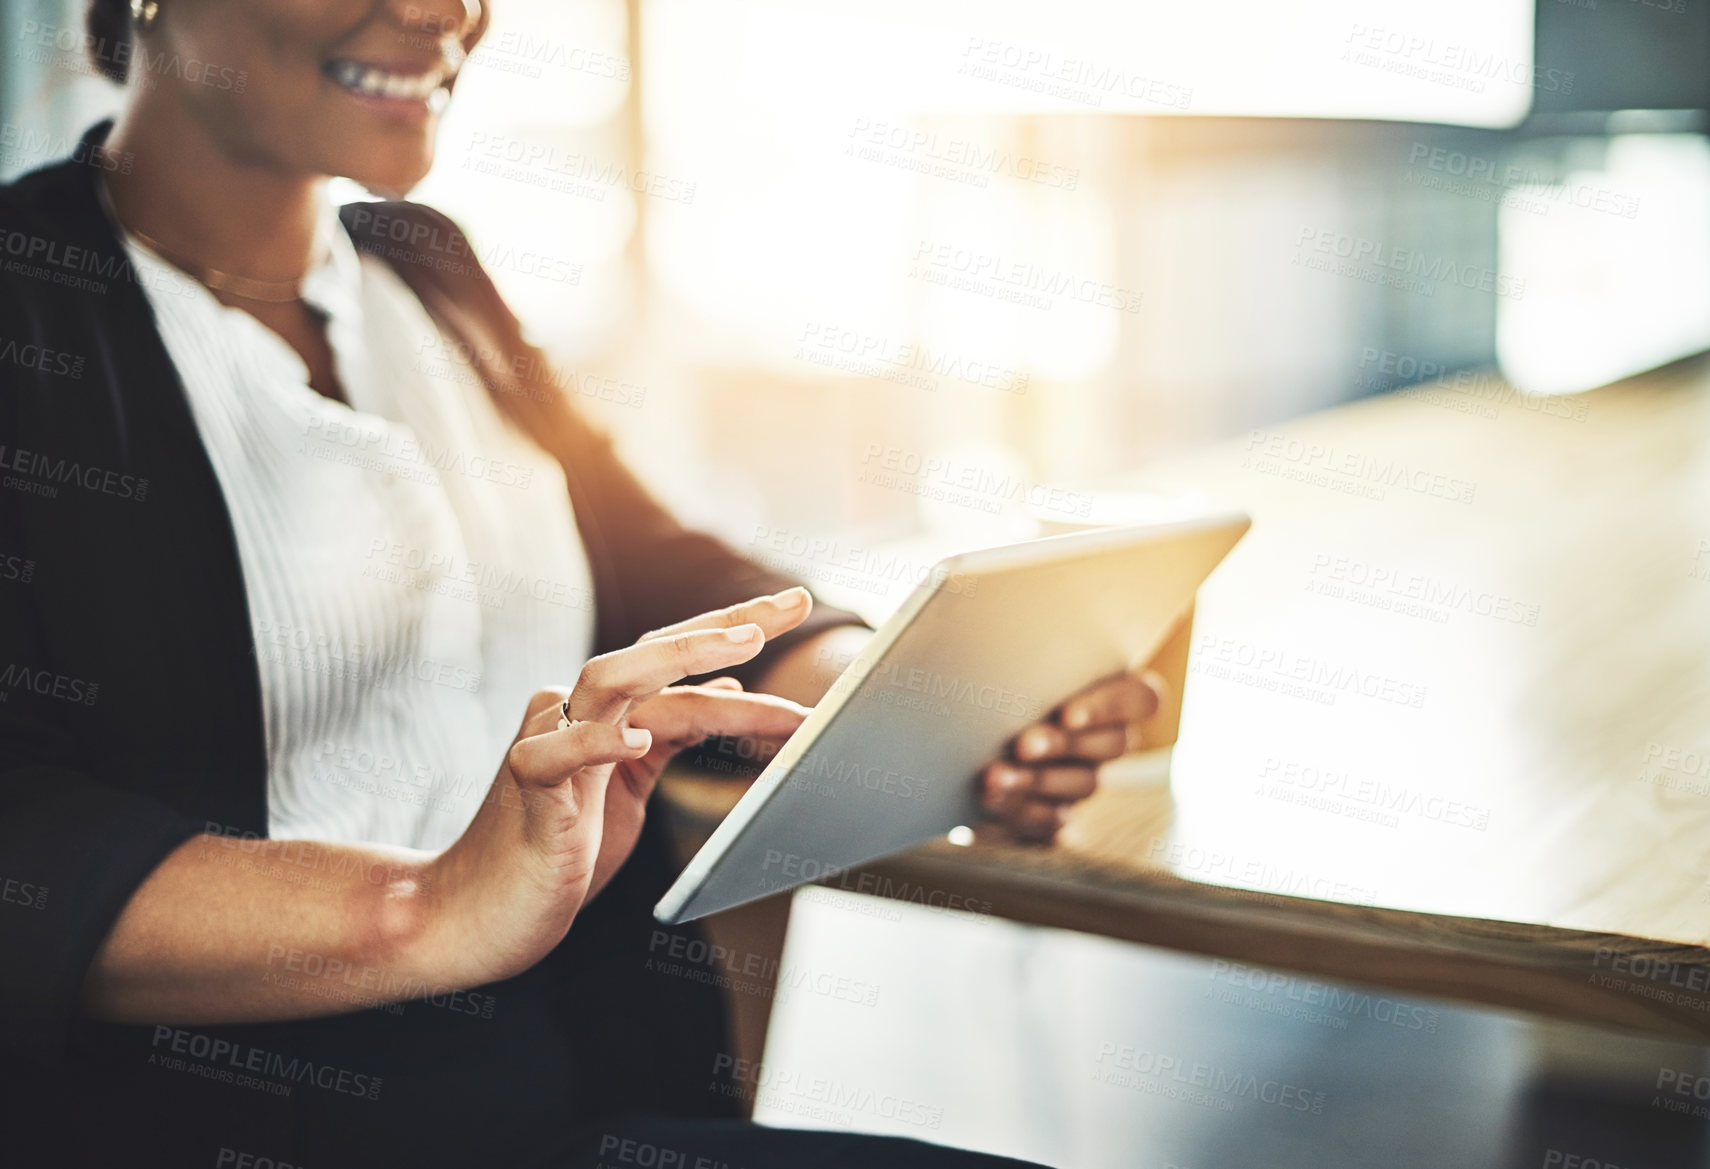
[287, 589]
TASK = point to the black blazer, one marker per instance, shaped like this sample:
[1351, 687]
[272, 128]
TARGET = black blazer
[130, 707]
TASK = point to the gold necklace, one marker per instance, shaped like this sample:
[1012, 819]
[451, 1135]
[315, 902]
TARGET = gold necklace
[265, 291]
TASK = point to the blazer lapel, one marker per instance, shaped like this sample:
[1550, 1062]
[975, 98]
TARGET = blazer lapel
[140, 588]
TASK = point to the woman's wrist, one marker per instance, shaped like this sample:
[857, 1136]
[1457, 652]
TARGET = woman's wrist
[425, 925]
[482, 910]
[401, 939]
[806, 671]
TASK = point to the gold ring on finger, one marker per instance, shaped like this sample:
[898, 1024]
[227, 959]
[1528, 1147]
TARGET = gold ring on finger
[1133, 739]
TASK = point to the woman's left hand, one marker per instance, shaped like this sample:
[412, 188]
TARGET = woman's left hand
[1054, 763]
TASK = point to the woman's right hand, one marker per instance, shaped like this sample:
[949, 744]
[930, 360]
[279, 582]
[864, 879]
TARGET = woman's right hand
[505, 893]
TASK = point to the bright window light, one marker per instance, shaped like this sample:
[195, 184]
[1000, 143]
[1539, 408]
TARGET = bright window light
[1457, 61]
[1616, 265]
[533, 162]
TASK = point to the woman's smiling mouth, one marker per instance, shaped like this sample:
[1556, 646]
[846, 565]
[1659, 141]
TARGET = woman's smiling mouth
[413, 90]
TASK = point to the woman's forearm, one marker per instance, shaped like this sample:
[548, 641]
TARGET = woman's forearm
[232, 930]
[246, 930]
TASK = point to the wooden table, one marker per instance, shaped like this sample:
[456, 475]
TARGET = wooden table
[1446, 720]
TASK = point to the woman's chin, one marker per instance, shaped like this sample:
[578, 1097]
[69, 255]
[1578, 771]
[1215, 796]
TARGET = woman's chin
[386, 190]
[389, 165]
[392, 183]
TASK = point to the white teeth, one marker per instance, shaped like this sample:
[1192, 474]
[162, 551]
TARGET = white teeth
[373, 82]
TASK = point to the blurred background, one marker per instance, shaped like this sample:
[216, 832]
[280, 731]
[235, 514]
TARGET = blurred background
[852, 283]
[844, 274]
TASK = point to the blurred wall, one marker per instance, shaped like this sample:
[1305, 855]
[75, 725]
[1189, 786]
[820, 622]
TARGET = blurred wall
[789, 302]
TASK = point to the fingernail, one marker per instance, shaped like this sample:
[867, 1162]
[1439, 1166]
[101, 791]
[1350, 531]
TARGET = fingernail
[1008, 778]
[742, 633]
[1035, 742]
[637, 739]
[791, 598]
[1076, 717]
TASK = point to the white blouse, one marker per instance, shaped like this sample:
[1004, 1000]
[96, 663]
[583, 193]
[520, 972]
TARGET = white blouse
[411, 561]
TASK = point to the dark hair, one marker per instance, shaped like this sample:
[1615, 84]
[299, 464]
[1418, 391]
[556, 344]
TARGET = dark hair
[108, 23]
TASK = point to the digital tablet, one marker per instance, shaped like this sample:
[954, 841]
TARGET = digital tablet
[989, 642]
